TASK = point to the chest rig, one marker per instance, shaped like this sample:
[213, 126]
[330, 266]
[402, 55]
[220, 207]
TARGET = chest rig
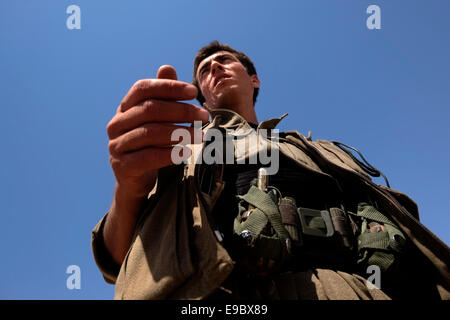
[285, 221]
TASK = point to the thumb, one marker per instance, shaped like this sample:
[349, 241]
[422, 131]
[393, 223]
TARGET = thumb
[167, 72]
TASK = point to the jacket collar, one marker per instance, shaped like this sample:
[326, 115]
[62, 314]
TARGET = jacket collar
[232, 121]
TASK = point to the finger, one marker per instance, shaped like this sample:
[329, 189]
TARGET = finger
[155, 111]
[153, 135]
[167, 72]
[144, 160]
[164, 89]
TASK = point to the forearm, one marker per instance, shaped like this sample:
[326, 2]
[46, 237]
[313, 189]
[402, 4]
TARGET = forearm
[121, 222]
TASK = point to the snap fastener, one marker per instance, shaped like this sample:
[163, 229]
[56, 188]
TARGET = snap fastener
[248, 237]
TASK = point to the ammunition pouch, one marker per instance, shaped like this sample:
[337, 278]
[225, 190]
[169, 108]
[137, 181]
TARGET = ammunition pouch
[261, 238]
[273, 234]
[380, 241]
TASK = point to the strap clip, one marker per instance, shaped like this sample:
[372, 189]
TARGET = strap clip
[316, 223]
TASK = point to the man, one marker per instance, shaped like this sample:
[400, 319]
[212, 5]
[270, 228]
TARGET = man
[179, 231]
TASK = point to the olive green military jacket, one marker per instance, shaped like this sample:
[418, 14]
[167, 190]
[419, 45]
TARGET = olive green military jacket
[175, 254]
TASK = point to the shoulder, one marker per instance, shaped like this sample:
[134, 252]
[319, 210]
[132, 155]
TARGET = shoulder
[344, 156]
[324, 150]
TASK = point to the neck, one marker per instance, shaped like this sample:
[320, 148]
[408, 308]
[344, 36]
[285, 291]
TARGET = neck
[249, 114]
[245, 109]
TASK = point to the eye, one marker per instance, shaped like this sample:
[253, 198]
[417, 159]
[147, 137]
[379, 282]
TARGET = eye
[226, 59]
[202, 72]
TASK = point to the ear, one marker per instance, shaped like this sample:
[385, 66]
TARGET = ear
[255, 81]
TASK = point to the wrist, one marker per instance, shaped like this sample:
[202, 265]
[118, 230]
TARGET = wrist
[125, 194]
[127, 202]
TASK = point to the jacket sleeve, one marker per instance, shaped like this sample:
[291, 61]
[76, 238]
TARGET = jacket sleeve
[108, 267]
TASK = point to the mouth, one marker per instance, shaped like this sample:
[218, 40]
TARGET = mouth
[220, 79]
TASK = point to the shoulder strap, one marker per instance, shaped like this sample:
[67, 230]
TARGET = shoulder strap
[365, 165]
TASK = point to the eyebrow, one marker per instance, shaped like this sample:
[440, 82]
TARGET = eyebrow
[219, 57]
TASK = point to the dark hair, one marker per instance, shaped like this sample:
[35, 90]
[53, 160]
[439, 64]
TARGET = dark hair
[212, 48]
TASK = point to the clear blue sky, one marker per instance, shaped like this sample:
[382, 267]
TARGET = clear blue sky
[383, 91]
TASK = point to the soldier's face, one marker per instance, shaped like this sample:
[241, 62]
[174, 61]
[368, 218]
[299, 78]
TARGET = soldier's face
[223, 80]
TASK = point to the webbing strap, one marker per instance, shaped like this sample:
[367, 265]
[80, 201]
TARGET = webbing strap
[378, 243]
[261, 200]
[255, 223]
[376, 240]
[379, 248]
[382, 259]
[369, 212]
[395, 238]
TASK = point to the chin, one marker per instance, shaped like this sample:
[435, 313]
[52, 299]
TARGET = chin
[227, 99]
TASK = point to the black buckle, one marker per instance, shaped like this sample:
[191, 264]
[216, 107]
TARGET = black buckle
[303, 213]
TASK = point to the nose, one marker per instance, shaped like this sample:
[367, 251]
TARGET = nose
[215, 66]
